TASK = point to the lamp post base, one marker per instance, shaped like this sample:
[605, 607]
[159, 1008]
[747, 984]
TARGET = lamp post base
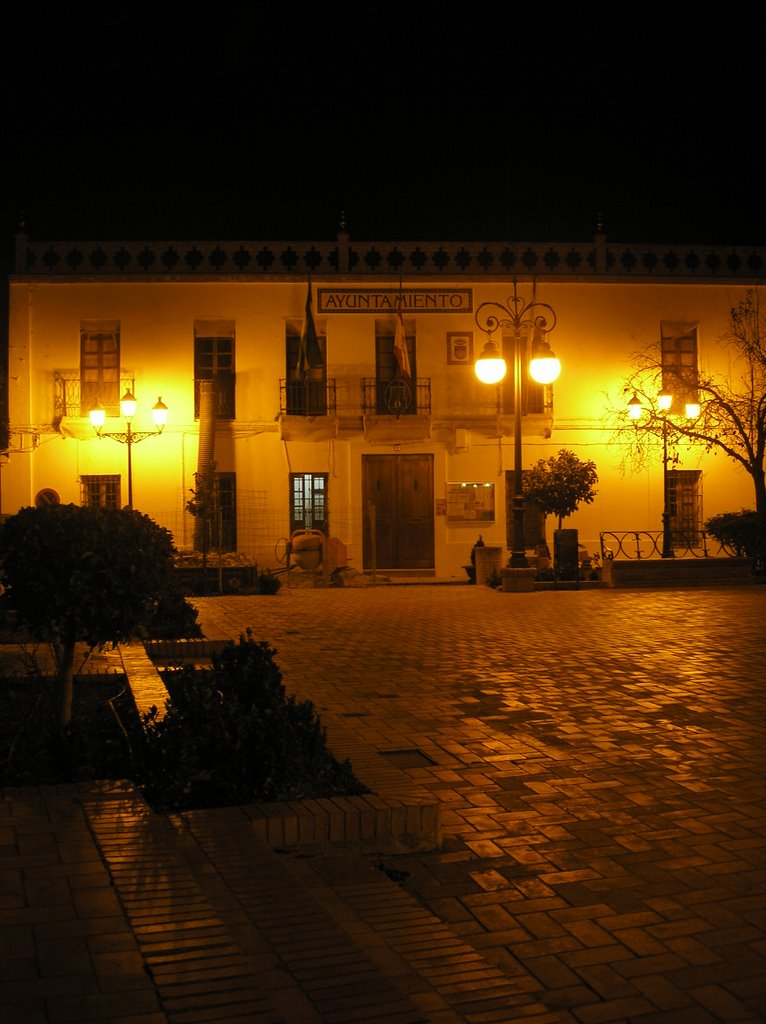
[517, 581]
[667, 537]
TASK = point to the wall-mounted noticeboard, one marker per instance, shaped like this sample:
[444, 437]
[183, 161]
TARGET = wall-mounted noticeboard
[470, 502]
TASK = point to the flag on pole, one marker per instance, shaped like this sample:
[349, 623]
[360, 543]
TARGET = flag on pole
[309, 353]
[400, 348]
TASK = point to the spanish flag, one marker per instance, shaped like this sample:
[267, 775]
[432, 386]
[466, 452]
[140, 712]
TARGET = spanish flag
[309, 353]
[400, 348]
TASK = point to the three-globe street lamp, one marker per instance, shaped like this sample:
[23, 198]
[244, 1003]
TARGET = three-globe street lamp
[129, 436]
[664, 403]
[534, 321]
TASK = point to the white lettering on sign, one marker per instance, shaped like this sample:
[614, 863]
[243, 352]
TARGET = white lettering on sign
[389, 300]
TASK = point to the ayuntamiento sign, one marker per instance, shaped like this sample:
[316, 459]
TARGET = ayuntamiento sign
[390, 300]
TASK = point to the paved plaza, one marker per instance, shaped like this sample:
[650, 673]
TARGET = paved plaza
[599, 759]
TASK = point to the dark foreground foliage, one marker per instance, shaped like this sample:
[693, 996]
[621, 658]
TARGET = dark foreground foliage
[742, 532]
[230, 735]
[92, 575]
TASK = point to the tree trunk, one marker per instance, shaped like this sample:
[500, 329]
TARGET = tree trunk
[65, 681]
[759, 480]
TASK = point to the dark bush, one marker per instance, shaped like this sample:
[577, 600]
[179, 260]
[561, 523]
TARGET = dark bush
[740, 532]
[268, 583]
[494, 580]
[96, 744]
[173, 617]
[230, 735]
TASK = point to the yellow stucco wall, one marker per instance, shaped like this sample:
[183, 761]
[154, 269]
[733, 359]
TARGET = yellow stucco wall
[600, 324]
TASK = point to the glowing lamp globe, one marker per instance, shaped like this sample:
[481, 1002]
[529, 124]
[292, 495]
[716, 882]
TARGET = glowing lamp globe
[97, 416]
[128, 405]
[544, 367]
[160, 413]
[490, 367]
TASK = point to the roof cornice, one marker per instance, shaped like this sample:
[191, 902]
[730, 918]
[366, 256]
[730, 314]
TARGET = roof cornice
[344, 258]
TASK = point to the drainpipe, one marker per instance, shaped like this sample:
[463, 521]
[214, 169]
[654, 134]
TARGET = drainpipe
[206, 455]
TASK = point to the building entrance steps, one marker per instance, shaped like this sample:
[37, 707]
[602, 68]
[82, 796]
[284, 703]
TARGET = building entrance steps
[231, 929]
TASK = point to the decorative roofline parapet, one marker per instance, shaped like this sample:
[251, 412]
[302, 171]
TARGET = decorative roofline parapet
[210, 260]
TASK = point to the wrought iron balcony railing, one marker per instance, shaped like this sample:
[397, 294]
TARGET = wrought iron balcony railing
[400, 396]
[72, 397]
[307, 397]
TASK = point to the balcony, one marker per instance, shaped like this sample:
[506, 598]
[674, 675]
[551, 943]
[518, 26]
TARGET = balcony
[397, 397]
[307, 410]
[307, 397]
[73, 400]
[396, 410]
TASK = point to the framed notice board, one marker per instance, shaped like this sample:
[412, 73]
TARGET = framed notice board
[470, 502]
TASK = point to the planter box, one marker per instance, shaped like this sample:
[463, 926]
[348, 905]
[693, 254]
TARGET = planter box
[488, 560]
[230, 579]
[678, 572]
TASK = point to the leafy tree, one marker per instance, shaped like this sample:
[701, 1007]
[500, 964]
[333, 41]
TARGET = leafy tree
[732, 405]
[88, 575]
[560, 484]
[203, 507]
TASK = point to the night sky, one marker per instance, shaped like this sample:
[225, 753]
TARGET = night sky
[423, 125]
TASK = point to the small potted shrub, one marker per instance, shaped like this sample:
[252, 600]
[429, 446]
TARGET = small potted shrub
[471, 569]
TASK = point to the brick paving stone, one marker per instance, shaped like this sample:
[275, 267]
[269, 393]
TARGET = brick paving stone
[608, 792]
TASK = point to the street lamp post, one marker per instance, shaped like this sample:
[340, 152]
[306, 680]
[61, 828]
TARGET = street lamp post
[533, 320]
[129, 436]
[664, 404]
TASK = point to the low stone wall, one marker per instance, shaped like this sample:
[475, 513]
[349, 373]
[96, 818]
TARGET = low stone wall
[677, 572]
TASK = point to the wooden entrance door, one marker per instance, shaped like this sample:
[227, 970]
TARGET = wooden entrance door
[398, 511]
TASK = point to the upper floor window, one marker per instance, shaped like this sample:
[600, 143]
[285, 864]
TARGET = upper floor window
[680, 374]
[532, 393]
[396, 390]
[100, 365]
[305, 369]
[214, 360]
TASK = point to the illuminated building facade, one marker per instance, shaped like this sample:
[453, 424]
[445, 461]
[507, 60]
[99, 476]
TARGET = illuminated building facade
[392, 446]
